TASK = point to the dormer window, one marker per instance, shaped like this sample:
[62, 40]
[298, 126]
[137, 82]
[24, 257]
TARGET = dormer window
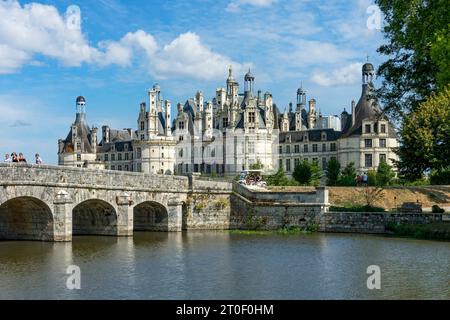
[324, 136]
[368, 128]
[142, 125]
[251, 117]
[382, 128]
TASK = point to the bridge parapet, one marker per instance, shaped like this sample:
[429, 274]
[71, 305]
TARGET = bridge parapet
[23, 174]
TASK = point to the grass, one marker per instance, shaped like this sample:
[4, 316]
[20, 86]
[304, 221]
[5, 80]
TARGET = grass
[435, 231]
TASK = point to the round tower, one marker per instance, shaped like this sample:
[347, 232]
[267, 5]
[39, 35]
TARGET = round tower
[81, 109]
[249, 82]
[368, 73]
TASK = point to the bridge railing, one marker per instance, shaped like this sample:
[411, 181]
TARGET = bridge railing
[57, 175]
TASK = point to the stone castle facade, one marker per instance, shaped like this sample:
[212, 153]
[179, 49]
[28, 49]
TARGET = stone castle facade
[234, 132]
[150, 149]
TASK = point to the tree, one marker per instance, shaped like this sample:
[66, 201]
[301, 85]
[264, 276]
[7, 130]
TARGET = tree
[307, 173]
[348, 175]
[385, 174]
[333, 172]
[370, 195]
[417, 50]
[278, 179]
[424, 138]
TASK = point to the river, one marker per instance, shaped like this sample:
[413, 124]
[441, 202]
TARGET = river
[223, 265]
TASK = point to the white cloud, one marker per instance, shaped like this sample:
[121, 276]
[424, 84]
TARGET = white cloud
[187, 56]
[235, 5]
[347, 75]
[36, 29]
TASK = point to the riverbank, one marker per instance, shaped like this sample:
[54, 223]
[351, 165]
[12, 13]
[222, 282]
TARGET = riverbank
[393, 197]
[435, 231]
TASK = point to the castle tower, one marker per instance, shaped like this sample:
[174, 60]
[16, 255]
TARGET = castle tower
[368, 73]
[312, 116]
[168, 107]
[199, 102]
[154, 105]
[81, 109]
[249, 83]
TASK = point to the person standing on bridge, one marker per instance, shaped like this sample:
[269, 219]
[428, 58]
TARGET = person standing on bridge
[22, 158]
[7, 159]
[14, 157]
[38, 159]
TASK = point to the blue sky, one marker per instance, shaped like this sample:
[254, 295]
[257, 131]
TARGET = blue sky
[112, 51]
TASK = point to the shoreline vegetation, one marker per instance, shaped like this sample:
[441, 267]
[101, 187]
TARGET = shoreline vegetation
[435, 231]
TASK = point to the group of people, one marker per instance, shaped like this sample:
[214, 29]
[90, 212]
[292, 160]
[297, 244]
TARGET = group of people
[14, 158]
[362, 180]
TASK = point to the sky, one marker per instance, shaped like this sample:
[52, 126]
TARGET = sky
[113, 51]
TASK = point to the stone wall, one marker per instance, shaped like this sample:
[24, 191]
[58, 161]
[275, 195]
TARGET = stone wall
[208, 205]
[269, 210]
[252, 210]
[356, 222]
[91, 178]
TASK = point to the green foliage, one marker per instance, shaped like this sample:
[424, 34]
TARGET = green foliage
[417, 33]
[222, 203]
[348, 175]
[440, 56]
[278, 179]
[385, 174]
[255, 222]
[436, 231]
[199, 207]
[425, 143]
[356, 209]
[257, 166]
[307, 174]
[437, 209]
[440, 177]
[333, 172]
[372, 178]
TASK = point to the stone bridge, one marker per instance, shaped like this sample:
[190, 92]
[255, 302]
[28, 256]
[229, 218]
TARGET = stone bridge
[53, 203]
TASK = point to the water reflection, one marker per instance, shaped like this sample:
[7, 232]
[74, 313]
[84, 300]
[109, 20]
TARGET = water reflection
[220, 265]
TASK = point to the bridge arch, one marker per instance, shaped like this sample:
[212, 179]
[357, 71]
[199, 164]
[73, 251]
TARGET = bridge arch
[150, 216]
[94, 217]
[26, 218]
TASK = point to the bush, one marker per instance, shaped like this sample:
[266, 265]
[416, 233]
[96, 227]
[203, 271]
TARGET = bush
[356, 209]
[372, 177]
[333, 172]
[307, 173]
[440, 177]
[437, 209]
[279, 179]
[384, 174]
[348, 176]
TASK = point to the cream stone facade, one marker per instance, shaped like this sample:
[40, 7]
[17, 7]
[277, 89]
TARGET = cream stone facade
[231, 133]
[234, 132]
[364, 137]
[150, 149]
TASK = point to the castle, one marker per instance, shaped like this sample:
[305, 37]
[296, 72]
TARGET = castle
[234, 132]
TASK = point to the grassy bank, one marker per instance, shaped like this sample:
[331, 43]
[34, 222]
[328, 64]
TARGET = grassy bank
[437, 231]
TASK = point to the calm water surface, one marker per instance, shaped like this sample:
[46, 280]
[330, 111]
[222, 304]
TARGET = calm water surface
[220, 265]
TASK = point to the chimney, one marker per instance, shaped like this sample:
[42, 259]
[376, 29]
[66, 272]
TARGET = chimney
[105, 134]
[353, 112]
